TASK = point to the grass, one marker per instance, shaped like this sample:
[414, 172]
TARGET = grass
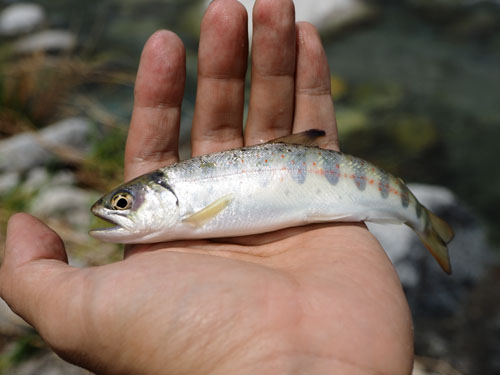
[35, 91]
[103, 168]
[22, 349]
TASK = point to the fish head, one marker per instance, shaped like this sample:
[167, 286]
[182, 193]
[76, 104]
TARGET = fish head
[141, 210]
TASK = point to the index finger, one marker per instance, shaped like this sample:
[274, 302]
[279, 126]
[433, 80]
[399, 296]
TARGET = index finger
[154, 129]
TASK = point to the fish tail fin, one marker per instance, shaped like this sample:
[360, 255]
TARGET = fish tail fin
[435, 237]
[441, 227]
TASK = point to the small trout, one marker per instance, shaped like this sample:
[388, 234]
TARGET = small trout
[283, 183]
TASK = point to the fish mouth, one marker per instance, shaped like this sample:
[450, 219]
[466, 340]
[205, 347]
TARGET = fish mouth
[107, 220]
[101, 215]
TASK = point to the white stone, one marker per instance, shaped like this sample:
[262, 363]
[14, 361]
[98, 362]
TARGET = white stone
[61, 199]
[28, 150]
[47, 40]
[326, 15]
[45, 363]
[63, 177]
[69, 203]
[433, 196]
[10, 323]
[426, 285]
[402, 244]
[39, 178]
[8, 181]
[21, 18]
[36, 178]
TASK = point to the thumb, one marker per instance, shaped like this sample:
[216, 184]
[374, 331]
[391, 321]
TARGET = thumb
[29, 239]
[34, 257]
[39, 285]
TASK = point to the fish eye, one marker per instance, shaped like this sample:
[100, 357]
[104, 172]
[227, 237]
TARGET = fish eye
[121, 201]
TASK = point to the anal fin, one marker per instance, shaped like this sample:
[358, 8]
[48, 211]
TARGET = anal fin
[318, 218]
[386, 220]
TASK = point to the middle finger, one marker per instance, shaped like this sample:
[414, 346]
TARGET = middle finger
[222, 62]
[270, 113]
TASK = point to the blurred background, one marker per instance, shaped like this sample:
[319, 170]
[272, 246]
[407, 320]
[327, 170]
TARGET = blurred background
[416, 88]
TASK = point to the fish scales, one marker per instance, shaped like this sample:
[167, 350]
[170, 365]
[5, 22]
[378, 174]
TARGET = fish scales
[284, 185]
[260, 189]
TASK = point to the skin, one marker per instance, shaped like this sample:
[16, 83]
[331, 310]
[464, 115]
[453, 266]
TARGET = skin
[321, 299]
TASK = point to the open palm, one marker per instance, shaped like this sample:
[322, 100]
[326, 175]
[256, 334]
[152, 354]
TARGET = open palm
[319, 299]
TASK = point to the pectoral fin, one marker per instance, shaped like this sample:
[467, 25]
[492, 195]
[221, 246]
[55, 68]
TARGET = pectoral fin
[200, 218]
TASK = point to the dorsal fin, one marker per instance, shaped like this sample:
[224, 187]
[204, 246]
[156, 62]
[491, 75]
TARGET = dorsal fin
[310, 137]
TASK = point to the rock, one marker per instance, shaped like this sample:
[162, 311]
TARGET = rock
[8, 181]
[448, 4]
[430, 366]
[332, 15]
[481, 22]
[27, 150]
[38, 178]
[327, 15]
[67, 202]
[428, 289]
[10, 323]
[48, 41]
[46, 364]
[63, 177]
[21, 18]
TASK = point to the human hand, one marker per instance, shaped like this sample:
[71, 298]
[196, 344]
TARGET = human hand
[318, 299]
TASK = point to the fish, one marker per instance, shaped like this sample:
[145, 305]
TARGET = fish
[286, 182]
